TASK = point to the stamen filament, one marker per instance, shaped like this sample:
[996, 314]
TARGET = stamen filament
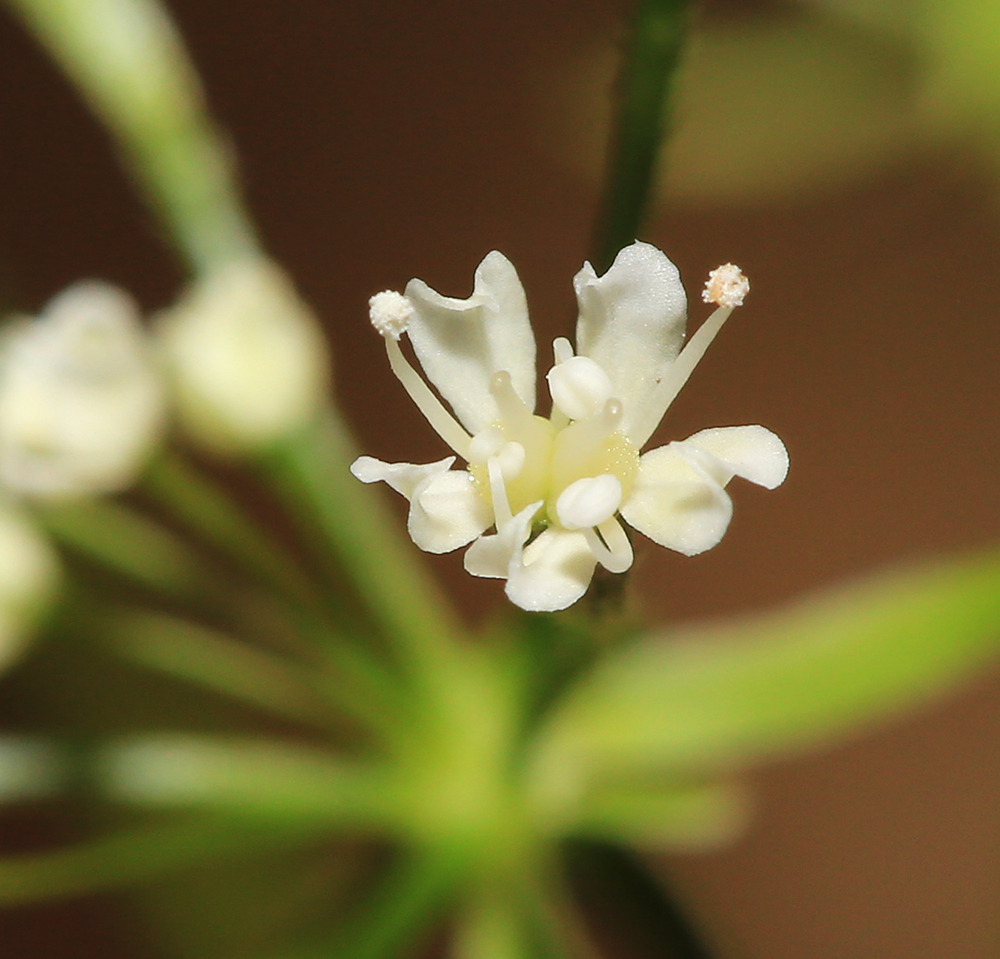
[676, 376]
[617, 555]
[444, 424]
[498, 490]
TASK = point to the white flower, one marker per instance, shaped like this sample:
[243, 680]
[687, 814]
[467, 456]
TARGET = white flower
[553, 489]
[80, 401]
[245, 356]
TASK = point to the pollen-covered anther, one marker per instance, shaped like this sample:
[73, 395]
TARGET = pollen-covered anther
[726, 286]
[390, 313]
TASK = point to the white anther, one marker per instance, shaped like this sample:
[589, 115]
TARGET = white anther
[579, 387]
[589, 501]
[390, 313]
[486, 443]
[726, 286]
[510, 458]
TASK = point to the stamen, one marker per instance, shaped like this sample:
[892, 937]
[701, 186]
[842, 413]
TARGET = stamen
[589, 501]
[676, 376]
[444, 424]
[501, 505]
[390, 313]
[579, 387]
[617, 555]
[726, 286]
[562, 349]
[512, 408]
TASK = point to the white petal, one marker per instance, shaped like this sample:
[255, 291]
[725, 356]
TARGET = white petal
[404, 478]
[446, 512]
[676, 502]
[492, 556]
[462, 343]
[752, 452]
[631, 322]
[555, 572]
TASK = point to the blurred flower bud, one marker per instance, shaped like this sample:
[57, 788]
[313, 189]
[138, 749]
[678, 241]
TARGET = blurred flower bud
[80, 400]
[29, 570]
[246, 358]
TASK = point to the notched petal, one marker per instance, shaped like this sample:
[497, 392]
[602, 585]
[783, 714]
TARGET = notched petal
[677, 503]
[554, 572]
[447, 512]
[461, 343]
[404, 478]
[753, 452]
[632, 321]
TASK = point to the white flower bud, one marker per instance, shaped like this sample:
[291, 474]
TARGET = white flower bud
[80, 401]
[29, 570]
[246, 358]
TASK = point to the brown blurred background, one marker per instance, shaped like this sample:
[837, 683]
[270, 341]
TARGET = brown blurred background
[384, 140]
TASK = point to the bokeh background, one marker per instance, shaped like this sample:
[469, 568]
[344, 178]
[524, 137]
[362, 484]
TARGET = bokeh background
[843, 154]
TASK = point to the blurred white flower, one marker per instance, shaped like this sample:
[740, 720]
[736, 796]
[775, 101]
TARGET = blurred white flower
[80, 400]
[245, 356]
[553, 489]
[29, 570]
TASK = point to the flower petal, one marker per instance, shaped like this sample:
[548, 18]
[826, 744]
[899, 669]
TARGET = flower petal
[446, 512]
[631, 322]
[554, 572]
[462, 343]
[752, 452]
[492, 556]
[404, 478]
[676, 502]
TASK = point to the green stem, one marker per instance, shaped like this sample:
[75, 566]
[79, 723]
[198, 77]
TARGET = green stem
[130, 64]
[212, 514]
[411, 898]
[360, 541]
[651, 59]
[114, 536]
[137, 854]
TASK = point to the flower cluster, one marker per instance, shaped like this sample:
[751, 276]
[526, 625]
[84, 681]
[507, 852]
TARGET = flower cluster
[553, 490]
[85, 390]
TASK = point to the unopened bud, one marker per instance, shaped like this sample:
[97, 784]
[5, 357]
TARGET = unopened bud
[80, 401]
[246, 358]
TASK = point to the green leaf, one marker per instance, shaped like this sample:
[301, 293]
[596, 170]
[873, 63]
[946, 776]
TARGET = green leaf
[723, 697]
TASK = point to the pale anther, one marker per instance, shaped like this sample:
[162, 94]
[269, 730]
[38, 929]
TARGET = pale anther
[589, 502]
[390, 313]
[726, 286]
[579, 387]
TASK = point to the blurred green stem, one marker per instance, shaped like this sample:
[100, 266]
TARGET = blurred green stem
[137, 854]
[336, 511]
[212, 514]
[641, 119]
[411, 898]
[129, 62]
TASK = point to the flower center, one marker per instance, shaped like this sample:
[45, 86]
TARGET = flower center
[539, 461]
